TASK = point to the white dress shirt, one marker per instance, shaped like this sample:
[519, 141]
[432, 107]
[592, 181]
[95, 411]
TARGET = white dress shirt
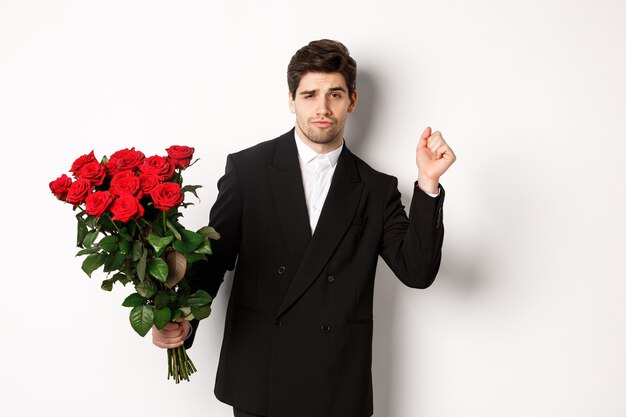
[317, 173]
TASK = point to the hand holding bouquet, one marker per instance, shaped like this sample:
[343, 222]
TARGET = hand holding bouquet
[128, 224]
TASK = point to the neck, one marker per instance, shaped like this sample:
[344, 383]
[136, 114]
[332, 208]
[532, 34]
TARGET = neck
[321, 148]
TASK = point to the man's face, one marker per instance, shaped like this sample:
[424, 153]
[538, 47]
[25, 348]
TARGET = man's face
[321, 106]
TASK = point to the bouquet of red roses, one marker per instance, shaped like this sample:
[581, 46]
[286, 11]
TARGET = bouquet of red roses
[128, 224]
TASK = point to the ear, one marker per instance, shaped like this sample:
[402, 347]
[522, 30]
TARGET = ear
[353, 100]
[292, 105]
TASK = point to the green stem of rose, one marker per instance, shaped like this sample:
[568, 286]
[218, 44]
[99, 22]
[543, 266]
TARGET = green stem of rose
[112, 222]
[179, 365]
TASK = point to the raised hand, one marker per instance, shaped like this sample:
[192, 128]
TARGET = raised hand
[433, 158]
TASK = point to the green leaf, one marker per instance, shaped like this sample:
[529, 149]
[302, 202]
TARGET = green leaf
[190, 241]
[90, 238]
[90, 221]
[87, 251]
[205, 249]
[134, 300]
[162, 316]
[93, 262]
[132, 227]
[177, 314]
[141, 318]
[159, 243]
[158, 269]
[192, 189]
[109, 243]
[186, 313]
[208, 231]
[106, 222]
[124, 247]
[201, 312]
[194, 257]
[146, 289]
[114, 261]
[141, 264]
[120, 277]
[137, 250]
[107, 284]
[123, 232]
[199, 298]
[81, 232]
[173, 229]
[163, 299]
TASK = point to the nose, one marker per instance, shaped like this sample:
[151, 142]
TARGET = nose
[323, 109]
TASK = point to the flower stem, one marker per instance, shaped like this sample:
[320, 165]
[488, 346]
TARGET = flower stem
[179, 364]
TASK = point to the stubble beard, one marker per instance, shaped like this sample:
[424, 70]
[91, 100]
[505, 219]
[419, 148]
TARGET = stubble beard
[321, 136]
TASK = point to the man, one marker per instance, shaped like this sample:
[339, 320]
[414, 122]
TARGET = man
[306, 220]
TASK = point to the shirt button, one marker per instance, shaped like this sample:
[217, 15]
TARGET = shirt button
[330, 278]
[325, 328]
[282, 270]
[278, 323]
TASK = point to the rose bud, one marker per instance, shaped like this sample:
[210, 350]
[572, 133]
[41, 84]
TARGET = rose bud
[158, 165]
[82, 161]
[97, 203]
[60, 186]
[126, 208]
[166, 196]
[180, 155]
[78, 192]
[94, 172]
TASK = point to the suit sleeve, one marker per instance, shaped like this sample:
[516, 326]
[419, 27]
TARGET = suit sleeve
[412, 246]
[225, 218]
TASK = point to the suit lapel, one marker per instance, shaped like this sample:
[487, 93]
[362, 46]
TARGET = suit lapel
[288, 195]
[335, 219]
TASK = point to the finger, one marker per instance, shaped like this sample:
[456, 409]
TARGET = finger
[168, 345]
[441, 150]
[425, 135]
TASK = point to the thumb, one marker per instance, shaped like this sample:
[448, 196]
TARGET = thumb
[427, 132]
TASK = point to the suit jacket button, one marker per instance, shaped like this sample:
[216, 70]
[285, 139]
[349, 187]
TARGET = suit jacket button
[282, 270]
[325, 328]
[278, 323]
[330, 278]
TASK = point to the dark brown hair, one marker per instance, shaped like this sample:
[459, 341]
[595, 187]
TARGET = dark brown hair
[325, 56]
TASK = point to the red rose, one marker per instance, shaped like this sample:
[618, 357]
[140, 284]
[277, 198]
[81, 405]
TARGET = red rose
[158, 165]
[124, 159]
[94, 172]
[167, 195]
[148, 182]
[126, 182]
[60, 186]
[82, 161]
[180, 155]
[126, 207]
[97, 203]
[78, 191]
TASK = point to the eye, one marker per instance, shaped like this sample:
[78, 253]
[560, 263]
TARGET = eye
[335, 95]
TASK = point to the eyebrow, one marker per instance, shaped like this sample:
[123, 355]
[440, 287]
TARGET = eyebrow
[309, 92]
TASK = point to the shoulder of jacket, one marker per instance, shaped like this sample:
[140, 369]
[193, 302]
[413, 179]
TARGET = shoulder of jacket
[369, 173]
[260, 151]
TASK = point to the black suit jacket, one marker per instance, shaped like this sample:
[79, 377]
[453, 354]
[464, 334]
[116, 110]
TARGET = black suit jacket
[298, 332]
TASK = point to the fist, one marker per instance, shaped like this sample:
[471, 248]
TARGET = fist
[172, 335]
[433, 158]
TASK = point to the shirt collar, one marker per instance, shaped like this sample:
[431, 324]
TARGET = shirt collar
[307, 154]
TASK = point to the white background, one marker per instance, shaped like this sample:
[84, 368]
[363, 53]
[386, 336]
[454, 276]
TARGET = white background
[528, 314]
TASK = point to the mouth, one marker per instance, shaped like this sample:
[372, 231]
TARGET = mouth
[321, 123]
